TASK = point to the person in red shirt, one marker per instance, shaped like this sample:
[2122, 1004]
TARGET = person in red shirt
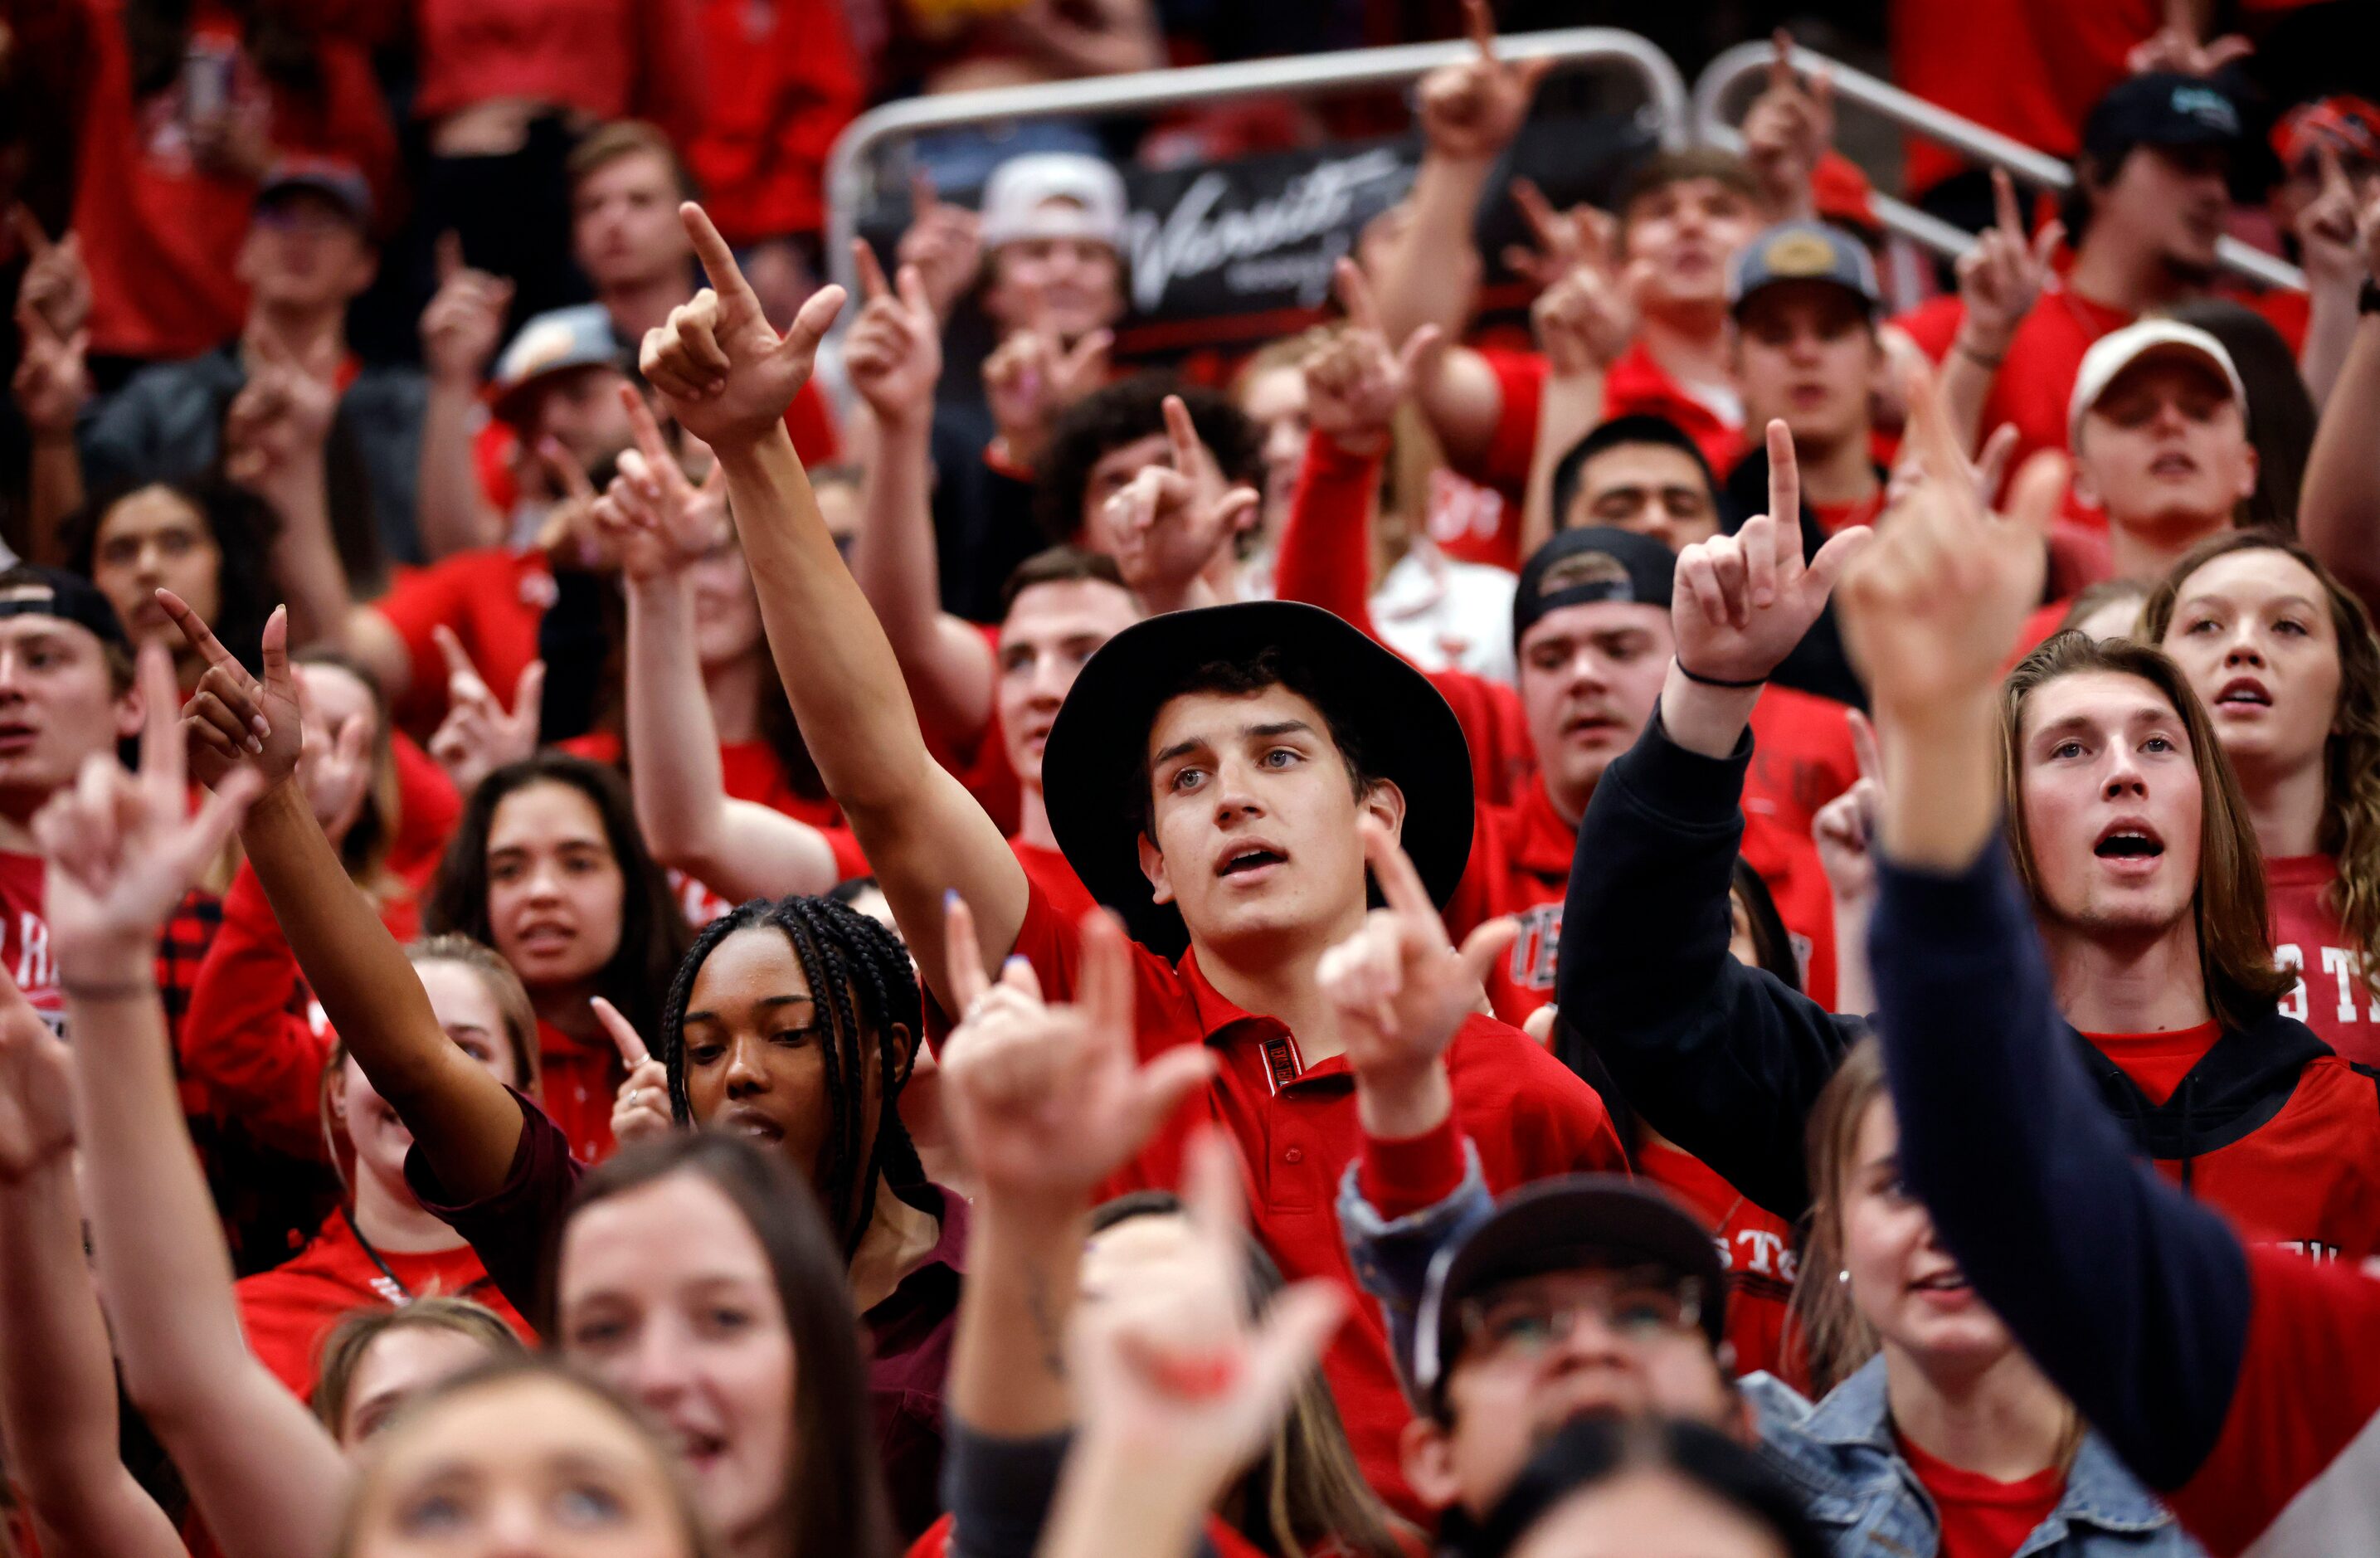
[1234, 898]
[2284, 659]
[2149, 201]
[783, 80]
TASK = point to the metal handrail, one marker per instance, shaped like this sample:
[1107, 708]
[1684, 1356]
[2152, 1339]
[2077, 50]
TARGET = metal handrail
[847, 178]
[1726, 74]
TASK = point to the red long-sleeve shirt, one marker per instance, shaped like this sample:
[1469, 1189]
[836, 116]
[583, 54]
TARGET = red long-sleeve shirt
[610, 59]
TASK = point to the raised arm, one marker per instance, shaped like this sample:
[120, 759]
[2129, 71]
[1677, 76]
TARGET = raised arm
[660, 523]
[1584, 320]
[463, 1119]
[2338, 507]
[460, 331]
[728, 377]
[1722, 1059]
[58, 1376]
[275, 441]
[1999, 280]
[893, 354]
[1788, 127]
[121, 851]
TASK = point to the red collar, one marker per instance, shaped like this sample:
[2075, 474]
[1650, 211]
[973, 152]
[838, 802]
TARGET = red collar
[1223, 1024]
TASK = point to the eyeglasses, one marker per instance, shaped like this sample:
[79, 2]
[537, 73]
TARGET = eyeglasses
[1638, 1308]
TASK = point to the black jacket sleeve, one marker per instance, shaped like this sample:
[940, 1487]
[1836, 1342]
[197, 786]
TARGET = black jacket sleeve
[1000, 1492]
[1723, 1059]
[2132, 1296]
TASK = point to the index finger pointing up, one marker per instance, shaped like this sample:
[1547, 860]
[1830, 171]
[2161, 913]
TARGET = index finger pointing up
[1356, 294]
[2004, 203]
[871, 272]
[649, 431]
[718, 259]
[1479, 26]
[1864, 752]
[162, 755]
[1401, 885]
[625, 1037]
[195, 629]
[1182, 434]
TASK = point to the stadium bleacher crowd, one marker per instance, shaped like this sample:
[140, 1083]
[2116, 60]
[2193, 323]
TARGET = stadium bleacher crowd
[731, 829]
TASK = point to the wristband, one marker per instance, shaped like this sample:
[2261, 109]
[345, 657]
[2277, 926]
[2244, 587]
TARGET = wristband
[121, 990]
[1684, 670]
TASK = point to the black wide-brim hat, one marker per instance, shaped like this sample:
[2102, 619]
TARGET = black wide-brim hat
[1094, 766]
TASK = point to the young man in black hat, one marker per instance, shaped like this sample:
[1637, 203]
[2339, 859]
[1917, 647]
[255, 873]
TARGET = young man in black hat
[66, 695]
[1226, 779]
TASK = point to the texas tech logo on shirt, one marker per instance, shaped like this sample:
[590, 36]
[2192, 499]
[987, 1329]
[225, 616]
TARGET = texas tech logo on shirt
[2342, 972]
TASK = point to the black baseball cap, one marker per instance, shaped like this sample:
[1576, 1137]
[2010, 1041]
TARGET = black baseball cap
[1593, 563]
[334, 178]
[2162, 108]
[1577, 1222]
[28, 589]
[1094, 767]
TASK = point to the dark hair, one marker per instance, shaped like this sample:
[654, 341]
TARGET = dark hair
[1594, 1450]
[866, 989]
[157, 36]
[1664, 168]
[243, 527]
[1108, 418]
[1639, 428]
[1239, 678]
[1305, 1495]
[1772, 946]
[1059, 565]
[2281, 413]
[653, 934]
[608, 142]
[834, 1501]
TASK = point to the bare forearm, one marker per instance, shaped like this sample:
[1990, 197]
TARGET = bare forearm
[450, 512]
[305, 559]
[1431, 275]
[1940, 805]
[1707, 721]
[464, 1120]
[1573, 405]
[2331, 319]
[673, 761]
[54, 491]
[893, 561]
[2339, 508]
[1854, 985]
[1008, 1371]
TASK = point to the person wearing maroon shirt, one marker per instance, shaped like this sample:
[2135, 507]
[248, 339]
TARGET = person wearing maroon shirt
[2285, 660]
[1234, 898]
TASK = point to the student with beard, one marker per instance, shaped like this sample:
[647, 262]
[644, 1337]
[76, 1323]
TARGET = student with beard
[2130, 833]
[2231, 1376]
[1223, 778]
[2284, 660]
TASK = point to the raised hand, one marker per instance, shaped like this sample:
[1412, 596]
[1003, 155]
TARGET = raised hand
[1742, 601]
[727, 375]
[1353, 383]
[1168, 523]
[52, 377]
[1033, 377]
[1174, 1377]
[234, 721]
[1470, 110]
[1788, 129]
[2175, 46]
[1933, 608]
[943, 241]
[285, 410]
[1045, 1101]
[651, 519]
[1585, 319]
[2327, 227]
[36, 1089]
[641, 1111]
[124, 848]
[57, 285]
[1844, 829]
[2001, 277]
[894, 350]
[1560, 238]
[334, 769]
[478, 734]
[465, 322]
[1401, 989]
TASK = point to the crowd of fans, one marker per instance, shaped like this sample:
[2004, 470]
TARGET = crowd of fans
[699, 915]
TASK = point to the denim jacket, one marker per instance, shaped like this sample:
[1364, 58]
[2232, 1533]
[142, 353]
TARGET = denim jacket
[1839, 1453]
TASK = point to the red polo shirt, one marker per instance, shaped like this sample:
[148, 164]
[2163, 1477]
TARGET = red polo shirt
[1297, 1129]
[1520, 865]
[577, 1084]
[1633, 385]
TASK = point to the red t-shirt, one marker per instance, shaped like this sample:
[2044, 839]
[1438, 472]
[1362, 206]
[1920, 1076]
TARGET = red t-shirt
[783, 81]
[288, 1311]
[1634, 386]
[428, 807]
[1054, 876]
[1296, 1130]
[493, 598]
[1755, 1247]
[25, 934]
[2331, 997]
[1834, 517]
[577, 1083]
[609, 59]
[1981, 1518]
[2158, 1062]
[161, 235]
[1801, 757]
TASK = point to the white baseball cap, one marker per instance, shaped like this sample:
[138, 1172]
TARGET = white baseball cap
[2112, 353]
[1054, 195]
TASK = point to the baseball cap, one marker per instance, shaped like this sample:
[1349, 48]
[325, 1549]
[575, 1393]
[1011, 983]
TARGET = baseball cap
[1094, 768]
[1573, 1223]
[2158, 109]
[1803, 252]
[1593, 563]
[2351, 126]
[1054, 195]
[28, 589]
[2118, 351]
[578, 336]
[334, 178]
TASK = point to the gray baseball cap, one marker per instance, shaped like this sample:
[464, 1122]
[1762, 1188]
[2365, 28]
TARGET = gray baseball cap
[1803, 252]
[580, 336]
